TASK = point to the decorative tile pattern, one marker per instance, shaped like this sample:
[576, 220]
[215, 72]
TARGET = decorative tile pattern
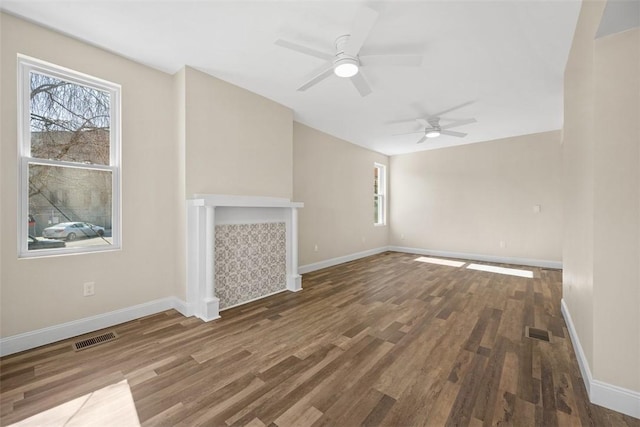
[250, 261]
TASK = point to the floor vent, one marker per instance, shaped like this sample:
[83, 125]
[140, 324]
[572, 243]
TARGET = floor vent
[93, 341]
[535, 333]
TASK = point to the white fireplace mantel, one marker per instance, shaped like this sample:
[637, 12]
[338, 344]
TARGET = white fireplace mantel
[219, 200]
[204, 211]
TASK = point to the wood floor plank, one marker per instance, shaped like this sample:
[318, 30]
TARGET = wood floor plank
[382, 341]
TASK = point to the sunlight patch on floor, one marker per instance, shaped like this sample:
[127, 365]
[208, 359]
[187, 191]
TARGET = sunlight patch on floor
[441, 261]
[502, 270]
[110, 406]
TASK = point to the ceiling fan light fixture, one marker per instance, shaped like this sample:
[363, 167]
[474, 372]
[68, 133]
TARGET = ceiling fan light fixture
[432, 133]
[345, 67]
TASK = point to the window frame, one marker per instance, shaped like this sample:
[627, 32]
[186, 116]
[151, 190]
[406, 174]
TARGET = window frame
[27, 65]
[381, 195]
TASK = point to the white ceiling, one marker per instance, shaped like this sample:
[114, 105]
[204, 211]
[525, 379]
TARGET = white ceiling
[504, 59]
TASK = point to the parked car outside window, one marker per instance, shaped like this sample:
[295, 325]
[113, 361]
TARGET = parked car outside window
[73, 230]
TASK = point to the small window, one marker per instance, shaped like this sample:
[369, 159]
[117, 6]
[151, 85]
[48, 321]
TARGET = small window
[69, 142]
[379, 190]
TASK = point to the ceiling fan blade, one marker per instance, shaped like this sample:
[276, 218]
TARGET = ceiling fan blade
[423, 122]
[452, 133]
[458, 123]
[303, 49]
[423, 139]
[361, 84]
[323, 73]
[457, 107]
[397, 60]
[363, 24]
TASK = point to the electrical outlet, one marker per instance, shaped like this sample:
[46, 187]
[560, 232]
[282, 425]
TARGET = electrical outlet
[402, 236]
[503, 244]
[315, 248]
[89, 289]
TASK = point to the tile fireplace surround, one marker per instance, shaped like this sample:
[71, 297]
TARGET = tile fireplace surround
[239, 249]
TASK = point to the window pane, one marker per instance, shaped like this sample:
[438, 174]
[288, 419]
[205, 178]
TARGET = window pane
[62, 211]
[68, 121]
[376, 179]
[376, 210]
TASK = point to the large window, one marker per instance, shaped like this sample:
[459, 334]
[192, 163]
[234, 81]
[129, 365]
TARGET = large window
[379, 202]
[69, 137]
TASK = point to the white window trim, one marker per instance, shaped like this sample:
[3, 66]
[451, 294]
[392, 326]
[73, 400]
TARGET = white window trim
[26, 65]
[382, 193]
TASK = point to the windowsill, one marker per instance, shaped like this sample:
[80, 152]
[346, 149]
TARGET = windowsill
[49, 253]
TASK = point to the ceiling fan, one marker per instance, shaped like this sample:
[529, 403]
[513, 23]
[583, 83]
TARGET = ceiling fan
[433, 129]
[346, 61]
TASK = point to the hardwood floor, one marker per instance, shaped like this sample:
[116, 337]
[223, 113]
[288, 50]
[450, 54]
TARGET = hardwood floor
[385, 340]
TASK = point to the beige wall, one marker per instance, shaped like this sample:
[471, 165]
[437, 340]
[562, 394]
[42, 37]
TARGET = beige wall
[471, 197]
[180, 138]
[601, 160]
[577, 155]
[616, 358]
[37, 293]
[334, 179]
[238, 142]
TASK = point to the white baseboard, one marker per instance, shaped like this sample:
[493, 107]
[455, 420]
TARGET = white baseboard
[182, 307]
[582, 358]
[462, 255]
[340, 260]
[617, 398]
[600, 393]
[28, 340]
[479, 257]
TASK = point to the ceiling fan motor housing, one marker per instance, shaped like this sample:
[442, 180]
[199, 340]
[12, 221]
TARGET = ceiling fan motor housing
[434, 122]
[434, 131]
[344, 65]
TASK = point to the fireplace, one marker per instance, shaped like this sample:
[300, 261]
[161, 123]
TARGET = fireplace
[239, 249]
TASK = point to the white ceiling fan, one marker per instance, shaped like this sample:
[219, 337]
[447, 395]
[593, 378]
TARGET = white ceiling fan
[346, 61]
[433, 129]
